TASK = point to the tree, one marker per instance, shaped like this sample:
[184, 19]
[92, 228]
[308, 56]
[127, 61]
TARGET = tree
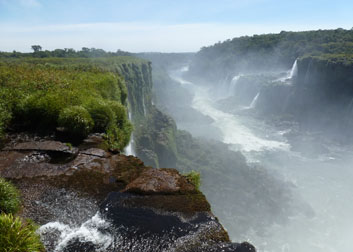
[36, 48]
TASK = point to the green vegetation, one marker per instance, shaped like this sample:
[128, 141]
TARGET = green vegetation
[9, 198]
[18, 236]
[79, 95]
[15, 235]
[336, 59]
[269, 51]
[76, 120]
[194, 178]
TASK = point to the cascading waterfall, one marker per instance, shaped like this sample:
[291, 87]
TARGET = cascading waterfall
[233, 85]
[254, 101]
[294, 70]
[129, 149]
[290, 74]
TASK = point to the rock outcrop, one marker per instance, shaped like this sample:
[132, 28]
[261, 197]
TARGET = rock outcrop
[147, 209]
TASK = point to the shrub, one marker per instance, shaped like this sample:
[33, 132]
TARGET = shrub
[118, 138]
[9, 197]
[194, 178]
[120, 113]
[17, 236]
[108, 87]
[118, 133]
[42, 109]
[101, 113]
[5, 117]
[76, 120]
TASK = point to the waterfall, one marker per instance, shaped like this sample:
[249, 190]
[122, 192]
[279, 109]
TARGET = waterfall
[143, 105]
[290, 74]
[294, 70]
[233, 84]
[129, 149]
[185, 69]
[254, 101]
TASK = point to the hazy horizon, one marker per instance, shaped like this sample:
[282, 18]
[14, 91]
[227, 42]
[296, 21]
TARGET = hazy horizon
[156, 26]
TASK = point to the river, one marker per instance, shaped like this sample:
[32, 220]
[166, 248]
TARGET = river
[323, 181]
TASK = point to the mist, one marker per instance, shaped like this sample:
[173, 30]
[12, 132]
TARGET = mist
[295, 141]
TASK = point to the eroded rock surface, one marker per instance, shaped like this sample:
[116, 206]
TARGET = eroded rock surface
[111, 196]
[160, 181]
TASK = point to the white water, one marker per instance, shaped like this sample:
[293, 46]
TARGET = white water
[323, 182]
[254, 101]
[233, 131]
[129, 149]
[294, 70]
[89, 231]
[290, 74]
[233, 85]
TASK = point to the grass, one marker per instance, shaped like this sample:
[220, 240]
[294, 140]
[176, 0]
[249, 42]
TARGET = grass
[80, 95]
[18, 236]
[15, 235]
[9, 198]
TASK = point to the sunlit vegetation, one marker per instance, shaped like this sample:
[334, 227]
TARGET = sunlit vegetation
[15, 235]
[79, 95]
[18, 236]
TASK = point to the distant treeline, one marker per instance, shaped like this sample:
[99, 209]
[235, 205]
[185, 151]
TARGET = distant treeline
[269, 51]
[64, 53]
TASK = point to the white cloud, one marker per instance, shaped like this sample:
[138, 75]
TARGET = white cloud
[135, 37]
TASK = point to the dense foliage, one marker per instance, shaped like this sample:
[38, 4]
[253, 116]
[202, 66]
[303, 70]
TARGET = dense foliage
[9, 198]
[18, 236]
[268, 51]
[80, 95]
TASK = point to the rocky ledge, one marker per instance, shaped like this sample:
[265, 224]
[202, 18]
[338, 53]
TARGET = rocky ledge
[88, 199]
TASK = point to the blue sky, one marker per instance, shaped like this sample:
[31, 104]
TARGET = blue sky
[158, 25]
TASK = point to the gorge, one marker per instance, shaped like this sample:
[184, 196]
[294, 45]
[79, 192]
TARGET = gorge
[108, 151]
[289, 120]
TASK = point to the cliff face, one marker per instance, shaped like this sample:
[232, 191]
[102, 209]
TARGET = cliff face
[326, 78]
[319, 97]
[138, 78]
[154, 132]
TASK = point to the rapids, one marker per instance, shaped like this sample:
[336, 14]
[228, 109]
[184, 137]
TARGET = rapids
[323, 181]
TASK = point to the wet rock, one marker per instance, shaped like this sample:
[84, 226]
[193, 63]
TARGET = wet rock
[96, 152]
[160, 181]
[43, 146]
[93, 141]
[149, 209]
